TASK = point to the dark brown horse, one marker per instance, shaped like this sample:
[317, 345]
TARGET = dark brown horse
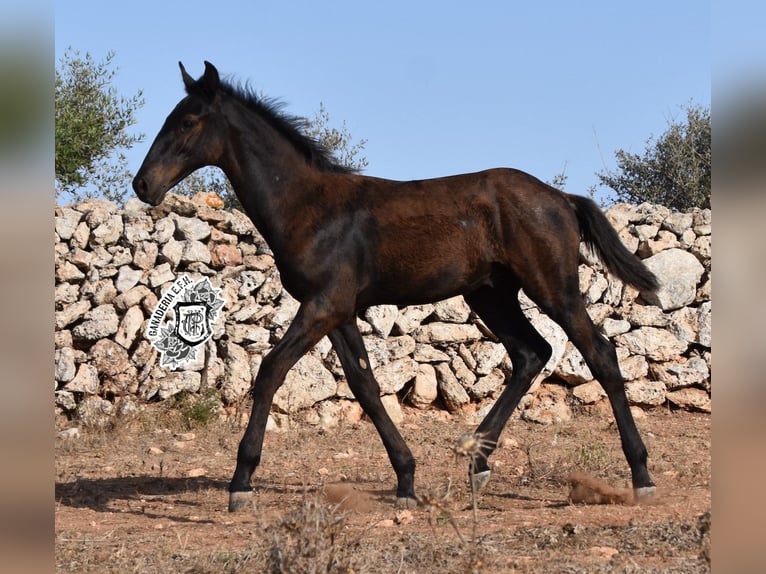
[343, 242]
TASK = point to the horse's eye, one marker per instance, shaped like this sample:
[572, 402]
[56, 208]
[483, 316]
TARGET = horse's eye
[187, 123]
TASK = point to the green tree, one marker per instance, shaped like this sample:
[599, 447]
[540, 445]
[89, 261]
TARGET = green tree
[674, 170]
[91, 128]
[338, 141]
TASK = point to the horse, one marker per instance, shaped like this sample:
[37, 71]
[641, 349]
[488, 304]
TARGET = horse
[343, 242]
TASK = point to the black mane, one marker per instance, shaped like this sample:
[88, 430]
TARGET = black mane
[291, 127]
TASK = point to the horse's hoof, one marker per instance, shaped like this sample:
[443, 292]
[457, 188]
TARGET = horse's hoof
[479, 480]
[644, 493]
[240, 500]
[406, 502]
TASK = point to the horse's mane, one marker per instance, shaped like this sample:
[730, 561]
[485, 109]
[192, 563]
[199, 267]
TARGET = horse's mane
[291, 127]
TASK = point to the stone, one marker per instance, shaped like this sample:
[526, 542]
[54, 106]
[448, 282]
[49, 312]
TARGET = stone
[704, 322]
[634, 367]
[428, 354]
[394, 375]
[381, 318]
[691, 399]
[645, 392]
[684, 324]
[238, 223]
[307, 383]
[452, 393]
[488, 355]
[678, 223]
[81, 236]
[109, 358]
[65, 400]
[612, 327]
[95, 412]
[400, 347]
[487, 386]
[67, 271]
[194, 252]
[65, 294]
[572, 368]
[463, 372]
[102, 292]
[681, 374]
[100, 322]
[678, 272]
[702, 222]
[177, 382]
[145, 255]
[129, 327]
[191, 227]
[647, 316]
[161, 275]
[108, 232]
[131, 297]
[656, 344]
[410, 318]
[589, 393]
[553, 334]
[444, 333]
[548, 406]
[239, 378]
[127, 278]
[453, 310]
[225, 255]
[254, 336]
[85, 381]
[71, 313]
[66, 223]
[393, 408]
[164, 229]
[425, 388]
[172, 251]
[64, 368]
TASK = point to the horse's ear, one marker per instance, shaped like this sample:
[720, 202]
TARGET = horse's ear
[211, 79]
[188, 80]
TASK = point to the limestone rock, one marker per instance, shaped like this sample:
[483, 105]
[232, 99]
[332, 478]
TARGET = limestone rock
[692, 399]
[645, 392]
[443, 333]
[657, 344]
[548, 406]
[382, 318]
[410, 318]
[453, 310]
[678, 272]
[178, 381]
[308, 382]
[129, 327]
[85, 381]
[453, 395]
[99, 323]
[424, 389]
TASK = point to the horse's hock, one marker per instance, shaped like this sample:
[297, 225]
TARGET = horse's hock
[113, 265]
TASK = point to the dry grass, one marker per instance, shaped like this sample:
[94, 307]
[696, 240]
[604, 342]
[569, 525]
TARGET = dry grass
[120, 508]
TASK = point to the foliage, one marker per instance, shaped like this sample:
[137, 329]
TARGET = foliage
[337, 141]
[674, 170]
[91, 122]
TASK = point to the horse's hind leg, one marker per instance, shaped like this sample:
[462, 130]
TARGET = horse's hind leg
[349, 345]
[500, 311]
[568, 310]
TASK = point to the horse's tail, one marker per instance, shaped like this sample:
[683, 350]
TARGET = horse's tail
[601, 238]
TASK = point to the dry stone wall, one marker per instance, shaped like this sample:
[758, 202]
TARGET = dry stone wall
[112, 266]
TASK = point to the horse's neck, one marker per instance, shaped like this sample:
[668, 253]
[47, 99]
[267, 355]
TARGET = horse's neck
[263, 170]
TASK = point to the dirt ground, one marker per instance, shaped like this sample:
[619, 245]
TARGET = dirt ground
[150, 496]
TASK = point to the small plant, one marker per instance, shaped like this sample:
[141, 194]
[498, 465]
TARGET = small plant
[472, 445]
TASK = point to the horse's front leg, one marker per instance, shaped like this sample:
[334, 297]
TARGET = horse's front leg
[311, 323]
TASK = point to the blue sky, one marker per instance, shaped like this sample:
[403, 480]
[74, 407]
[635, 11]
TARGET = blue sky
[435, 88]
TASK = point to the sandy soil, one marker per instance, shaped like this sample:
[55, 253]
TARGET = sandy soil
[150, 496]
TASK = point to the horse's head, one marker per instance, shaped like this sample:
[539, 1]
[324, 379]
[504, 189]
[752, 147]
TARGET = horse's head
[190, 138]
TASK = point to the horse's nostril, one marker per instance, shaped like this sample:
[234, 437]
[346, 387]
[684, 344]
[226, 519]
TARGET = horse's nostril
[140, 186]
